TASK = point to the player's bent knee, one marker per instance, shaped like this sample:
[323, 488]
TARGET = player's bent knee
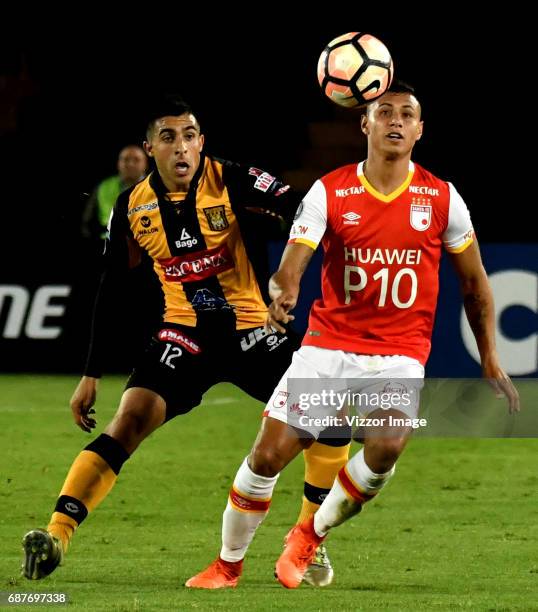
[393, 448]
[387, 450]
[125, 433]
[266, 461]
[139, 414]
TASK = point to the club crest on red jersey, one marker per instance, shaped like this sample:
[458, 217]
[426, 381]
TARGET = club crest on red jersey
[420, 216]
[280, 399]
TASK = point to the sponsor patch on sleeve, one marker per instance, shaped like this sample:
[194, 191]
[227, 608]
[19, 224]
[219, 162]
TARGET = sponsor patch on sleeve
[263, 181]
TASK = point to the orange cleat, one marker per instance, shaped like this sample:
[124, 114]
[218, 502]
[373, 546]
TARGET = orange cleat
[299, 551]
[219, 575]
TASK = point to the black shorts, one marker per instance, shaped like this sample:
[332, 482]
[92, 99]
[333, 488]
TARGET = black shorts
[182, 363]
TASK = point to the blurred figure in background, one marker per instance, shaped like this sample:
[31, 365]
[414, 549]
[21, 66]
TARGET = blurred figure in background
[132, 167]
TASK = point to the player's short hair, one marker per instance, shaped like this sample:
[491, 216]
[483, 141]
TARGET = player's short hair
[402, 87]
[398, 86]
[169, 105]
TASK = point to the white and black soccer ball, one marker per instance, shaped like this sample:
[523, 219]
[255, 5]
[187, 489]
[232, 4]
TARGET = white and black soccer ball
[355, 69]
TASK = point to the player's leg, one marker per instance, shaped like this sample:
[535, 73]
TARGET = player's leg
[95, 470]
[264, 357]
[281, 437]
[323, 460]
[91, 477]
[369, 470]
[249, 501]
[359, 481]
[365, 474]
[151, 398]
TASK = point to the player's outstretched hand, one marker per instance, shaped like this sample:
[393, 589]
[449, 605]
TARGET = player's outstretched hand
[279, 314]
[502, 385]
[82, 401]
[284, 300]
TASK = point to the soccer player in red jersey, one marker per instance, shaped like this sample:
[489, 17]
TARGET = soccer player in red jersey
[383, 224]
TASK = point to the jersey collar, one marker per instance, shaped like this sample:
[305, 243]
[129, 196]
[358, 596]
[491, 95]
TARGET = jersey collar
[381, 196]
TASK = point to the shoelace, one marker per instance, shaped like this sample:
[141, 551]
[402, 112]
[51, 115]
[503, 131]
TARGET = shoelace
[321, 557]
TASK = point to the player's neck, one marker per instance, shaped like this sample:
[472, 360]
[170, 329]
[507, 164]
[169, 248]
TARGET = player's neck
[174, 186]
[386, 175]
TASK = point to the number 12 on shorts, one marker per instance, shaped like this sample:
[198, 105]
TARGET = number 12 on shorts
[170, 353]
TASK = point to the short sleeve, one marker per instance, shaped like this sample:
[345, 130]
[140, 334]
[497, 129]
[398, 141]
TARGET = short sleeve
[459, 233]
[310, 220]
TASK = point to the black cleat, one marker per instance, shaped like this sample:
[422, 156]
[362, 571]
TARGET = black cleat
[43, 553]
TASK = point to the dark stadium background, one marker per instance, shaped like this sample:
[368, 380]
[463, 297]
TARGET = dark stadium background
[256, 90]
[254, 85]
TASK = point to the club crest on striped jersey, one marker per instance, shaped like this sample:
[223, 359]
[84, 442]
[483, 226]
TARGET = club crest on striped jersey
[216, 218]
[421, 214]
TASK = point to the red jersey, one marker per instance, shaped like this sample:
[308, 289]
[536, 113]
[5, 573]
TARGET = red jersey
[381, 263]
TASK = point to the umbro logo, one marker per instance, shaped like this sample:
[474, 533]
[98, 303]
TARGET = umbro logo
[351, 218]
[71, 507]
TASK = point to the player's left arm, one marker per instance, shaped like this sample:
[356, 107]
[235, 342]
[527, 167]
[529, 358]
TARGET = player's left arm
[260, 191]
[480, 311]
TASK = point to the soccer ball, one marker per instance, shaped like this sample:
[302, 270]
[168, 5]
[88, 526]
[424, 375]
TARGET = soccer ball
[355, 69]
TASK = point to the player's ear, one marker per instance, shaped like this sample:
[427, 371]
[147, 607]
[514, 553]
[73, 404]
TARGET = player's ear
[364, 124]
[148, 148]
[202, 140]
[420, 128]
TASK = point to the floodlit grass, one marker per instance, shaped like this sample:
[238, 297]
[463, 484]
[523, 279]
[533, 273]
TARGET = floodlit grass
[457, 528]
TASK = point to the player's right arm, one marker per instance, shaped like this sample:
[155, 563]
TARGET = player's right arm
[121, 253]
[82, 401]
[307, 230]
[285, 283]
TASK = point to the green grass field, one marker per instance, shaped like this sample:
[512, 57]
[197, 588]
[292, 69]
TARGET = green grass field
[457, 528]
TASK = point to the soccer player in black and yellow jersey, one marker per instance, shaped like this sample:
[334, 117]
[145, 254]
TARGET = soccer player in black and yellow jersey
[188, 216]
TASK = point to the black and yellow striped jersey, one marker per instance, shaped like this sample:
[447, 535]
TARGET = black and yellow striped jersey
[199, 244]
